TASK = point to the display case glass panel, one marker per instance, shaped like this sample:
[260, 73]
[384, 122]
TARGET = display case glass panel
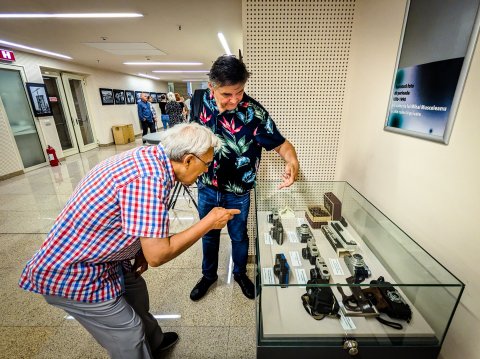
[327, 235]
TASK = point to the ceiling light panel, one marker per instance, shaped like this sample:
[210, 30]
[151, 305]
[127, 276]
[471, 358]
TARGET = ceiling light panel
[152, 63]
[69, 15]
[180, 71]
[34, 49]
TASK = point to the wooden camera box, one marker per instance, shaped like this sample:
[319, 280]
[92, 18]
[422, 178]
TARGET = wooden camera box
[333, 206]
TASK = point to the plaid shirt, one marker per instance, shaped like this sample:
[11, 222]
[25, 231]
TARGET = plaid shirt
[121, 199]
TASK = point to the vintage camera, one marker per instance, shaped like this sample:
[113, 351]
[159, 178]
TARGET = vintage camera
[357, 267]
[281, 269]
[304, 233]
[276, 232]
[388, 300]
[320, 272]
[320, 302]
[311, 251]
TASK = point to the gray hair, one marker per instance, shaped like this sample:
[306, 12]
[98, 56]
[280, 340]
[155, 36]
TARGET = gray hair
[186, 138]
[171, 96]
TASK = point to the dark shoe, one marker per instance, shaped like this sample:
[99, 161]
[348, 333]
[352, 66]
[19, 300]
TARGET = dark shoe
[169, 340]
[201, 288]
[246, 284]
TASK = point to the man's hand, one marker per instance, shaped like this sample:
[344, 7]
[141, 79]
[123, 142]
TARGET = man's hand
[140, 265]
[289, 176]
[220, 216]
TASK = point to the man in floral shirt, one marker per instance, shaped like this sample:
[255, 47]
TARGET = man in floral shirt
[244, 127]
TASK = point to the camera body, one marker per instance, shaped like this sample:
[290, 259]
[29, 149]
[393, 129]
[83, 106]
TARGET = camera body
[276, 232]
[320, 272]
[357, 267]
[320, 301]
[304, 233]
[281, 269]
[311, 251]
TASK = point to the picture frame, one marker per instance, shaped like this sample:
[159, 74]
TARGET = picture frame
[106, 96]
[137, 95]
[431, 68]
[130, 97]
[119, 97]
[37, 92]
[154, 97]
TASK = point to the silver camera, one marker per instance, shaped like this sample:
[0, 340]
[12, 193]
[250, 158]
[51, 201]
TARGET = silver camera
[320, 272]
[310, 252]
[357, 267]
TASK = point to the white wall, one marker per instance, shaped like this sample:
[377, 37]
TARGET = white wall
[103, 117]
[430, 190]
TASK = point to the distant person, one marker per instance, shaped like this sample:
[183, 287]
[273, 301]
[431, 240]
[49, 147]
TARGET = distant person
[174, 110]
[187, 107]
[117, 213]
[245, 127]
[145, 115]
[162, 103]
[154, 113]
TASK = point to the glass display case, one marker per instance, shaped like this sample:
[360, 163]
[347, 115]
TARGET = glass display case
[337, 278]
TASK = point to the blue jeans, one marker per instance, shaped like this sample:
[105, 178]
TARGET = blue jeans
[165, 119]
[209, 198]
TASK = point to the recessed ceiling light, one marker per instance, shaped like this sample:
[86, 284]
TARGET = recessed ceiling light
[224, 43]
[23, 47]
[149, 76]
[180, 71]
[164, 63]
[70, 15]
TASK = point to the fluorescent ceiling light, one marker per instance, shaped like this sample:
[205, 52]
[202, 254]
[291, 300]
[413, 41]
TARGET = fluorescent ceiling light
[149, 76]
[195, 80]
[223, 41]
[180, 71]
[23, 47]
[163, 63]
[95, 15]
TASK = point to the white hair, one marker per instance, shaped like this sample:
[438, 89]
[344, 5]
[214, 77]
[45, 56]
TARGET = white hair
[186, 138]
[171, 96]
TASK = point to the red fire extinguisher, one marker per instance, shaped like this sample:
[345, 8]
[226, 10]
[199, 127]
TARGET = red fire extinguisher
[52, 156]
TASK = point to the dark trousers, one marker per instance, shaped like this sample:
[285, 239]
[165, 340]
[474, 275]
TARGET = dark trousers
[209, 198]
[148, 125]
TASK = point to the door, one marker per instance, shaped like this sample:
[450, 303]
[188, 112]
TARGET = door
[77, 105]
[61, 115]
[20, 117]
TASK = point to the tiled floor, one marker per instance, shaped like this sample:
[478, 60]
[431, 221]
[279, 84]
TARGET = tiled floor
[221, 325]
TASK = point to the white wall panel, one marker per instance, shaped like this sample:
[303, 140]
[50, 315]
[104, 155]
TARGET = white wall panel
[11, 161]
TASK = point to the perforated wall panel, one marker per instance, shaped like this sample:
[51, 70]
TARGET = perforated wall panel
[298, 54]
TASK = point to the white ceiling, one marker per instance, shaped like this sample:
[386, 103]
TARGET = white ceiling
[185, 31]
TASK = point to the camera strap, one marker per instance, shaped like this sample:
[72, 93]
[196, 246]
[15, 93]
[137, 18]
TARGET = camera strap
[309, 310]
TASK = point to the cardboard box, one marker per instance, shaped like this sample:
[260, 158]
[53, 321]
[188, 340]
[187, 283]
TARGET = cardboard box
[123, 134]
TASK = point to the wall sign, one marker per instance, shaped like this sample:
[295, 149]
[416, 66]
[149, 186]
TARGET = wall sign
[7, 55]
[432, 65]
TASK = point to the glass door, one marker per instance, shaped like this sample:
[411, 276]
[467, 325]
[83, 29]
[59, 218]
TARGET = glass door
[20, 117]
[77, 105]
[61, 115]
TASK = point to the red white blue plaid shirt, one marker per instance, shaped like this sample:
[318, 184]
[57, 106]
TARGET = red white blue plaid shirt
[121, 199]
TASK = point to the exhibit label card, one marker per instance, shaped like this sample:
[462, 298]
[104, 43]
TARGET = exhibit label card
[335, 266]
[295, 259]
[267, 275]
[346, 322]
[268, 238]
[301, 276]
[292, 237]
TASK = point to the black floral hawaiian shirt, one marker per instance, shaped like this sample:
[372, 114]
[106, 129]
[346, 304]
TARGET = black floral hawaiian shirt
[243, 132]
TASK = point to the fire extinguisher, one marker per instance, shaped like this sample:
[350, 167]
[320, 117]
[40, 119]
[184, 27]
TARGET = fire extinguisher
[52, 156]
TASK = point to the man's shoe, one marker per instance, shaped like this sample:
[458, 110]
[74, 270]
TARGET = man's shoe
[169, 340]
[246, 284]
[201, 288]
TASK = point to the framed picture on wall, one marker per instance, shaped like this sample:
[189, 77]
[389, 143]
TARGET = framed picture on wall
[130, 97]
[119, 97]
[106, 95]
[432, 66]
[39, 99]
[137, 95]
[154, 97]
[159, 96]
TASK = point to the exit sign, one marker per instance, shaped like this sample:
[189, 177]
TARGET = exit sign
[6, 55]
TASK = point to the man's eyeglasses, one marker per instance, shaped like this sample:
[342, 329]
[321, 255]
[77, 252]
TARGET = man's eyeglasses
[205, 163]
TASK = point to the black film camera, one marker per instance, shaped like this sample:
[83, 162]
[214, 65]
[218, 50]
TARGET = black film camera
[320, 302]
[281, 269]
